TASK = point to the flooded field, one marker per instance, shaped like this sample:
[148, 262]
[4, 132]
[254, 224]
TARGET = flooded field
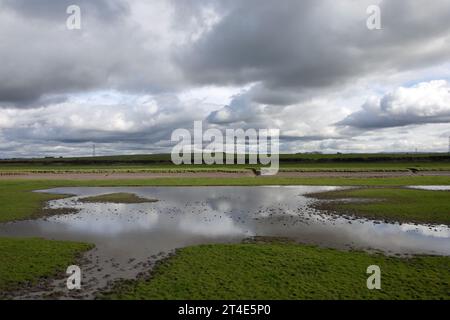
[130, 237]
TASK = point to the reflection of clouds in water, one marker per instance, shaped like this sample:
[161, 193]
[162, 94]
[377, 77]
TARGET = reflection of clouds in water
[433, 231]
[391, 236]
[107, 219]
[221, 204]
[432, 188]
[202, 214]
[226, 227]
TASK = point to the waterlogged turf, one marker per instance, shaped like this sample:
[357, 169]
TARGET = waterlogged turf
[260, 271]
[392, 204]
[24, 262]
[287, 271]
[18, 202]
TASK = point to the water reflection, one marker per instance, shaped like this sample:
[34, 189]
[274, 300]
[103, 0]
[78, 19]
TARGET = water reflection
[193, 215]
[432, 188]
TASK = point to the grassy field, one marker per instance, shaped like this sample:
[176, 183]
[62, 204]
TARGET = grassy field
[17, 201]
[288, 162]
[299, 157]
[287, 271]
[284, 167]
[371, 166]
[392, 204]
[24, 262]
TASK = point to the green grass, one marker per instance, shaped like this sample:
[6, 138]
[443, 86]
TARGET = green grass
[117, 198]
[20, 169]
[286, 167]
[25, 262]
[287, 271]
[296, 162]
[393, 204]
[364, 166]
[17, 201]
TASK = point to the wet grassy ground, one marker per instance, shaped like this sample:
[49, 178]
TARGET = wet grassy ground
[396, 204]
[270, 270]
[287, 271]
[26, 262]
[117, 198]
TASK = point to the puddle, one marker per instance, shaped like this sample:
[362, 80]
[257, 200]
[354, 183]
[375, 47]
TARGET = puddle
[129, 236]
[432, 188]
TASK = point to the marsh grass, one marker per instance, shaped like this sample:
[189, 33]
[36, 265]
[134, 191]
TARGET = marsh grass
[117, 198]
[392, 204]
[26, 262]
[286, 271]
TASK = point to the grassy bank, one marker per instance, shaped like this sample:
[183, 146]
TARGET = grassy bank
[287, 271]
[392, 204]
[25, 262]
[17, 201]
[121, 197]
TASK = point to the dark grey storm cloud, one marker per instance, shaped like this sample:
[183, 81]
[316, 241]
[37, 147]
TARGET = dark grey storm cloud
[292, 46]
[51, 10]
[112, 50]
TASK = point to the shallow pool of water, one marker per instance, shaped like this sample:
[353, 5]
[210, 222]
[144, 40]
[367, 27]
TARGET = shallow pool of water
[193, 215]
[431, 188]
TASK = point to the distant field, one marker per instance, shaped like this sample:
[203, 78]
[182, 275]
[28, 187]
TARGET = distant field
[288, 162]
[166, 158]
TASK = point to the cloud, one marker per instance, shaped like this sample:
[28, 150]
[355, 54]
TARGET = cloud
[115, 49]
[426, 102]
[139, 69]
[48, 9]
[145, 119]
[293, 47]
[290, 49]
[241, 109]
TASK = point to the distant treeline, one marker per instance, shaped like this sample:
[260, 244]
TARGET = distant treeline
[165, 159]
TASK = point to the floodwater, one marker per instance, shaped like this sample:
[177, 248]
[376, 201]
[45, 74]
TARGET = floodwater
[128, 235]
[431, 188]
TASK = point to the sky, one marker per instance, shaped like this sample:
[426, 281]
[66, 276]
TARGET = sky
[137, 70]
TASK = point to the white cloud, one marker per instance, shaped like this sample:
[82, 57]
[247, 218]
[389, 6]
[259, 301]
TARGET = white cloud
[139, 69]
[426, 102]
